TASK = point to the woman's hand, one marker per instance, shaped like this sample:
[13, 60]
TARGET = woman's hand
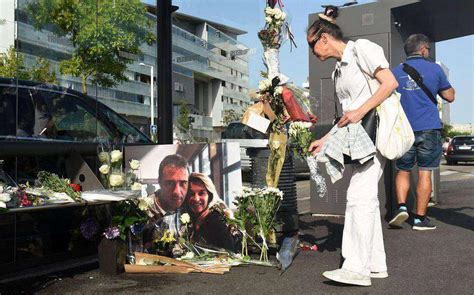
[315, 146]
[351, 117]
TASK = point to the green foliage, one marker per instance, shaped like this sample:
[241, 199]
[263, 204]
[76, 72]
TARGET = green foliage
[12, 65]
[127, 214]
[448, 131]
[183, 117]
[230, 116]
[52, 182]
[100, 31]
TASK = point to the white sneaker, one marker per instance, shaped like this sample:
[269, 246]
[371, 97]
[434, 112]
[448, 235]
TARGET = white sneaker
[379, 275]
[347, 277]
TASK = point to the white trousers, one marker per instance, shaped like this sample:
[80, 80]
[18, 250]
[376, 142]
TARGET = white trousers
[362, 240]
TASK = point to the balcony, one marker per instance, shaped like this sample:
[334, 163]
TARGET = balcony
[201, 122]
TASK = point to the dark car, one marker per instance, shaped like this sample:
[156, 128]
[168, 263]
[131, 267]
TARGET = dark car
[40, 123]
[251, 138]
[34, 111]
[461, 149]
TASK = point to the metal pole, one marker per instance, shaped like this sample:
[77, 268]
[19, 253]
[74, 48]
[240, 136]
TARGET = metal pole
[152, 99]
[164, 71]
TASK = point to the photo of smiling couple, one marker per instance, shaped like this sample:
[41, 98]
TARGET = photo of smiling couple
[187, 206]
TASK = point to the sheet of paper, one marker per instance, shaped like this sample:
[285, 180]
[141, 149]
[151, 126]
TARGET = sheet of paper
[258, 122]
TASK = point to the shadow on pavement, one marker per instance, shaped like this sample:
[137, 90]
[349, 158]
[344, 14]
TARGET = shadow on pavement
[452, 216]
[326, 234]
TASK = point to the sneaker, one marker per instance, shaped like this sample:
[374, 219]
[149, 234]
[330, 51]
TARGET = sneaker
[399, 217]
[347, 277]
[379, 275]
[423, 225]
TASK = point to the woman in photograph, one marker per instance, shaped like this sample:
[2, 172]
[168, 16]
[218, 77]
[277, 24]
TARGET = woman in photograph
[208, 223]
[362, 242]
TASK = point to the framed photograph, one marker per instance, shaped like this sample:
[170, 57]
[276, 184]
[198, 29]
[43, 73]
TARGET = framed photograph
[219, 161]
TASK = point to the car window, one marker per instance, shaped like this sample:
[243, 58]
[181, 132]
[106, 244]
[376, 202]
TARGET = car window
[126, 131]
[71, 118]
[7, 111]
[463, 140]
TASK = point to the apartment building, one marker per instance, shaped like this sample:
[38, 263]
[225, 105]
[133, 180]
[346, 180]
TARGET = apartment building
[210, 67]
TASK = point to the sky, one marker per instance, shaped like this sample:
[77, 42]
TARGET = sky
[247, 15]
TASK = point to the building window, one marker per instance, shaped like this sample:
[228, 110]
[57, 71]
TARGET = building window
[223, 53]
[240, 88]
[223, 83]
[231, 100]
[179, 87]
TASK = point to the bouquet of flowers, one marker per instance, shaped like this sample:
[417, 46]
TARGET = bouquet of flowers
[270, 36]
[301, 138]
[257, 208]
[129, 216]
[112, 174]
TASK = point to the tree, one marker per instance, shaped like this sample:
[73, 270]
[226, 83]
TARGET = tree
[104, 34]
[12, 65]
[183, 124]
[230, 116]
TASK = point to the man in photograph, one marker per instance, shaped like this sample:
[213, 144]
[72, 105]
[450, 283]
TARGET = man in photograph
[173, 180]
[164, 209]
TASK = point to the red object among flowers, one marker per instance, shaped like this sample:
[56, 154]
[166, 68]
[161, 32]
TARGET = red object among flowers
[292, 106]
[76, 187]
[23, 199]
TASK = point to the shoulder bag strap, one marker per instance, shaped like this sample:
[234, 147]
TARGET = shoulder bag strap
[413, 73]
[337, 115]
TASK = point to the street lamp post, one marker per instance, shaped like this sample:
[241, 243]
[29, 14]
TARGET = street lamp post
[152, 102]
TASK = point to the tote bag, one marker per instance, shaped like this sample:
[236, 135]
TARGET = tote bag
[394, 133]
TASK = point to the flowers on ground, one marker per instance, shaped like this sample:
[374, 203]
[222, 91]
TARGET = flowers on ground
[112, 233]
[256, 210]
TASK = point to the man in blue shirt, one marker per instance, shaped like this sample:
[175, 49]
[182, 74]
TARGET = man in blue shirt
[423, 115]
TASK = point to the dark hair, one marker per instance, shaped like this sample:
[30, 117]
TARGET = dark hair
[174, 160]
[414, 43]
[196, 180]
[322, 25]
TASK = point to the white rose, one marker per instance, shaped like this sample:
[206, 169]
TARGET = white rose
[283, 16]
[1, 189]
[104, 157]
[116, 156]
[116, 180]
[143, 204]
[5, 197]
[104, 169]
[278, 15]
[134, 164]
[268, 19]
[3, 205]
[278, 90]
[262, 85]
[136, 186]
[185, 218]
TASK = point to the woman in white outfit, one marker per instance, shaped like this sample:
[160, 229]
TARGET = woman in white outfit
[362, 242]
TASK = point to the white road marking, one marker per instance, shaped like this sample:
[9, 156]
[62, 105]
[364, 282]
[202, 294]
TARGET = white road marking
[448, 172]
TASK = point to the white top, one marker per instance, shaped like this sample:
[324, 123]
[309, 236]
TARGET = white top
[351, 85]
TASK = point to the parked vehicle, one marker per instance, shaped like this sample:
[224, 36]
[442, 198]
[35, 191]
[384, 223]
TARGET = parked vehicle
[36, 119]
[461, 149]
[251, 138]
[34, 111]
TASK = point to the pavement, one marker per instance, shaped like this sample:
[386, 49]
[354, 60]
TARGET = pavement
[431, 262]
